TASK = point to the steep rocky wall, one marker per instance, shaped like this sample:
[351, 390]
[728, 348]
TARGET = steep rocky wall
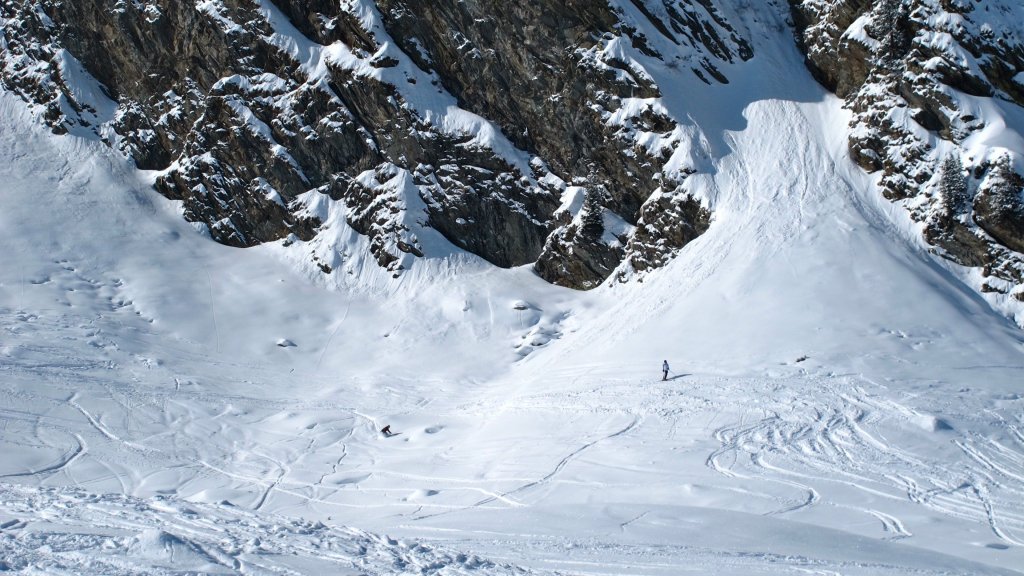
[205, 93]
[908, 70]
[252, 109]
[516, 64]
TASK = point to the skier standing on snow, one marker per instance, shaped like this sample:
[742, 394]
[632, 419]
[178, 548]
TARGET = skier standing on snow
[664, 370]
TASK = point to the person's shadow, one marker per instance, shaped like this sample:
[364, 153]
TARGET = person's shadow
[676, 377]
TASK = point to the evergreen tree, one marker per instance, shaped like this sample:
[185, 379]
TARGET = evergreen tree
[892, 28]
[999, 208]
[593, 214]
[1003, 186]
[953, 186]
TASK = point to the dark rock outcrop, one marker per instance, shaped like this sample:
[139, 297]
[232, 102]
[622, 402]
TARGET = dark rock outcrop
[999, 205]
[668, 222]
[254, 112]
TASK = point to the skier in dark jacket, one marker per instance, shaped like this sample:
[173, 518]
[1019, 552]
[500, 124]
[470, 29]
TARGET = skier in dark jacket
[664, 370]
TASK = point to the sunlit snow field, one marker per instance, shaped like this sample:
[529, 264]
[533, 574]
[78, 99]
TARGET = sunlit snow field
[839, 402]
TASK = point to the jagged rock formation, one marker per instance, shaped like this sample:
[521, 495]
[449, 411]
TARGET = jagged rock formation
[523, 133]
[467, 117]
[912, 72]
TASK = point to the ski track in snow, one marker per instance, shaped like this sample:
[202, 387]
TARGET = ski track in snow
[150, 432]
[834, 445]
[772, 432]
[119, 535]
[810, 443]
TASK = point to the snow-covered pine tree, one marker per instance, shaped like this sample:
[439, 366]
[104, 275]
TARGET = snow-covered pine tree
[953, 187]
[1004, 184]
[999, 207]
[893, 33]
[593, 214]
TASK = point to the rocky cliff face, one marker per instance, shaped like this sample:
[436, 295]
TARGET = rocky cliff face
[917, 75]
[476, 119]
[526, 133]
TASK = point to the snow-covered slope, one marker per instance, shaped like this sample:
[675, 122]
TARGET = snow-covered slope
[936, 94]
[840, 401]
